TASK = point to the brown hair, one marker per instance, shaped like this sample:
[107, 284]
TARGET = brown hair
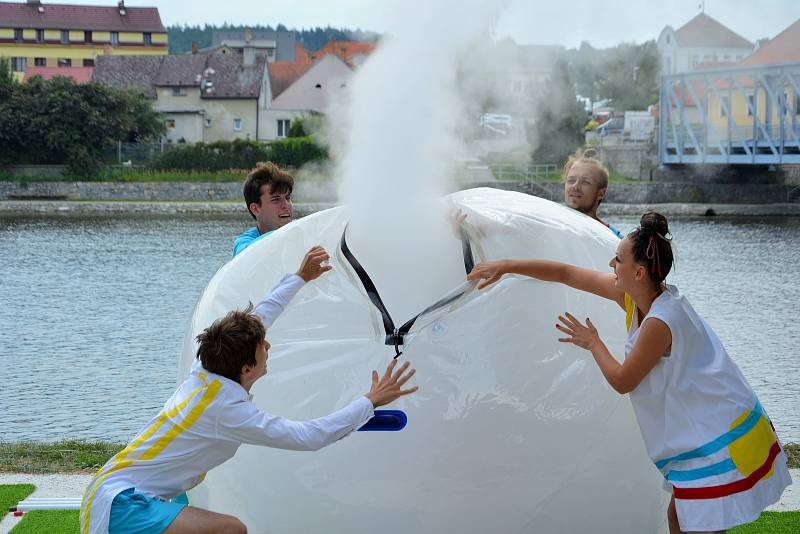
[589, 156]
[230, 343]
[652, 245]
[278, 180]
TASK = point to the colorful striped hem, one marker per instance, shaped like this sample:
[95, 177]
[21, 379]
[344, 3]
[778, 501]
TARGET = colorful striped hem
[717, 444]
[714, 492]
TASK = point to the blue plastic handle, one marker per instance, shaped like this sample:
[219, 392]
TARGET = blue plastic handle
[385, 421]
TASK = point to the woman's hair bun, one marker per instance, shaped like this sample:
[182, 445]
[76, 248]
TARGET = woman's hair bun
[653, 221]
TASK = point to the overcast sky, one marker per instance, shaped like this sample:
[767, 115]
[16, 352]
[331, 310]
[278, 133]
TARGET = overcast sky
[566, 22]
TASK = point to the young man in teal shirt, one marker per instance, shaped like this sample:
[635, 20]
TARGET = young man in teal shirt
[268, 196]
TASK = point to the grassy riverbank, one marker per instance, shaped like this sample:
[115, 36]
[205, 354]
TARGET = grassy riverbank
[59, 457]
[87, 456]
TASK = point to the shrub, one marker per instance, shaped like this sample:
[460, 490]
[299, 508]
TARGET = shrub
[238, 154]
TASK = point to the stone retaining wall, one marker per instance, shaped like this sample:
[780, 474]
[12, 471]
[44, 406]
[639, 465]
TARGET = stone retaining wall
[195, 191]
[631, 193]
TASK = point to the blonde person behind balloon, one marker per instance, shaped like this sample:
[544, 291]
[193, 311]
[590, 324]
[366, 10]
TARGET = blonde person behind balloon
[702, 424]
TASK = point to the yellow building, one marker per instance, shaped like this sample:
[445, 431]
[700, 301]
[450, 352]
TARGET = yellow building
[34, 33]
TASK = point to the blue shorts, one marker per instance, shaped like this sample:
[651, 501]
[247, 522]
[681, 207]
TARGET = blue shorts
[135, 513]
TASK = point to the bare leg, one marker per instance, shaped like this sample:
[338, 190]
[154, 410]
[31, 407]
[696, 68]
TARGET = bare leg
[193, 520]
[672, 518]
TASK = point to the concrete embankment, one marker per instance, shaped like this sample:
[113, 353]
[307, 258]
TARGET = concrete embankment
[79, 208]
[679, 198]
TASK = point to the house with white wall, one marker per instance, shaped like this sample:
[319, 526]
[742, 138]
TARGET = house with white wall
[203, 97]
[700, 41]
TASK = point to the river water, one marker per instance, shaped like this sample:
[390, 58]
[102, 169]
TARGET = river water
[93, 312]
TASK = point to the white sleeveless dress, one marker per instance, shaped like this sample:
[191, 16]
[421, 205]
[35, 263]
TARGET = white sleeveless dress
[703, 425]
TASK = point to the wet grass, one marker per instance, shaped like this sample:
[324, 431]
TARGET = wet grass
[59, 457]
[49, 522]
[772, 523]
[11, 494]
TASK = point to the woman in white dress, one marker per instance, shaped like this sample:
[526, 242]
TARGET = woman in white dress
[702, 424]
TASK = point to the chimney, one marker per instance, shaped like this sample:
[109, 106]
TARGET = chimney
[249, 49]
[194, 47]
[121, 7]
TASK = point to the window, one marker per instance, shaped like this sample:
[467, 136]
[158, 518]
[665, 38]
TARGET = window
[39, 36]
[208, 123]
[723, 103]
[88, 63]
[18, 35]
[170, 123]
[115, 38]
[517, 86]
[40, 62]
[148, 39]
[667, 38]
[667, 64]
[283, 127]
[270, 52]
[695, 60]
[64, 37]
[87, 37]
[237, 125]
[18, 64]
[797, 104]
[726, 58]
[751, 99]
[178, 91]
[64, 62]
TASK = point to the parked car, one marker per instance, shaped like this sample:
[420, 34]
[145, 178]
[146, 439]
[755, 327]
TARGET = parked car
[614, 125]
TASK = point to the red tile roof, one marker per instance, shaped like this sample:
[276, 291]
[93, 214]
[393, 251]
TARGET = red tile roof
[784, 47]
[345, 50]
[79, 74]
[77, 17]
[705, 31]
[301, 55]
[282, 74]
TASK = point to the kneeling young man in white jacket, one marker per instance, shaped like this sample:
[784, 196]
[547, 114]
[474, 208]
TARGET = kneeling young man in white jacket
[209, 416]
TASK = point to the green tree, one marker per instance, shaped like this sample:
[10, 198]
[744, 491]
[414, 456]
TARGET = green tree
[60, 121]
[297, 128]
[626, 74]
[6, 74]
[557, 128]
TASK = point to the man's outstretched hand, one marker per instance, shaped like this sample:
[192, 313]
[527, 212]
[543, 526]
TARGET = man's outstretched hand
[389, 387]
[314, 264]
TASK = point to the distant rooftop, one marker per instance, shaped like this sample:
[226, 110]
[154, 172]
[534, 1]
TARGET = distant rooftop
[79, 74]
[284, 41]
[703, 30]
[217, 75]
[76, 17]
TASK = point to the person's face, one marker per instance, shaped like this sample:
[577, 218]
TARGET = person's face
[273, 209]
[262, 355]
[628, 273]
[249, 373]
[580, 188]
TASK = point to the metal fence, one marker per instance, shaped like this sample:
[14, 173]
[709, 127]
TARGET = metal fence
[743, 115]
[136, 154]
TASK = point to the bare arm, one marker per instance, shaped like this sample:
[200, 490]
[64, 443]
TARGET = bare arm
[601, 284]
[654, 339]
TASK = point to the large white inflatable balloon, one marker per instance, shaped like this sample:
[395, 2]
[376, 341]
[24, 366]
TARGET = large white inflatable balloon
[511, 430]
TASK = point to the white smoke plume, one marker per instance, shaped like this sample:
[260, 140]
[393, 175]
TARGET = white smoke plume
[396, 141]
